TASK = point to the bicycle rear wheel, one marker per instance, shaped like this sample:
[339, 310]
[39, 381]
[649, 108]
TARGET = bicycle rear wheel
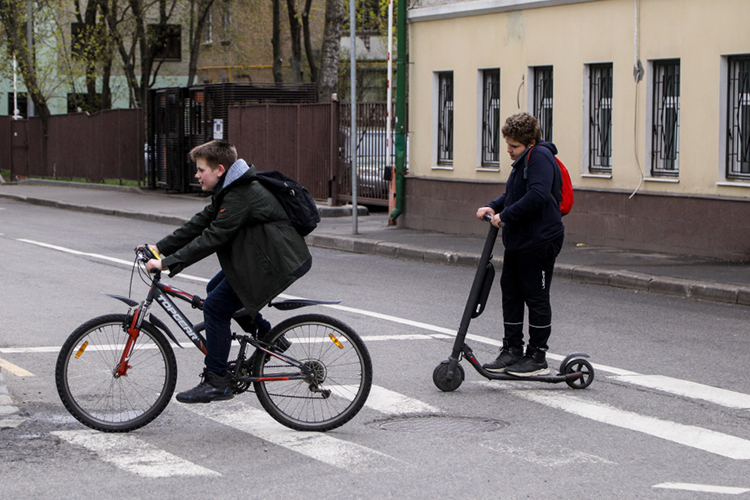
[87, 384]
[340, 374]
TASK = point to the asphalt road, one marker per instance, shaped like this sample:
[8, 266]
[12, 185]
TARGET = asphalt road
[666, 416]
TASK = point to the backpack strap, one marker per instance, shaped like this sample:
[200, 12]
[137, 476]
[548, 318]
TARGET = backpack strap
[558, 175]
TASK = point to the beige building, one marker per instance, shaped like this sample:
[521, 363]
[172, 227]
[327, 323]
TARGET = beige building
[648, 102]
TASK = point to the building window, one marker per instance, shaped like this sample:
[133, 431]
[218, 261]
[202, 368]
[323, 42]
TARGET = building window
[665, 119]
[22, 101]
[738, 118]
[600, 118]
[208, 29]
[445, 118]
[168, 38]
[491, 118]
[543, 100]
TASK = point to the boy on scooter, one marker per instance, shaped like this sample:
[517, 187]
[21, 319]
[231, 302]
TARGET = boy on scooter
[533, 235]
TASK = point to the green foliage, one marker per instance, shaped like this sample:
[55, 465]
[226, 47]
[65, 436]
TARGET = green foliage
[371, 15]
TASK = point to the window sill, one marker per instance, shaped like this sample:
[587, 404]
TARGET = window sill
[442, 167]
[734, 184]
[668, 180]
[488, 169]
[596, 176]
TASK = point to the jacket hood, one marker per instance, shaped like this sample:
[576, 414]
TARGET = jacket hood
[235, 172]
[521, 160]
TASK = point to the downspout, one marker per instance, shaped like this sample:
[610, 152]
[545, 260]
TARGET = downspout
[400, 142]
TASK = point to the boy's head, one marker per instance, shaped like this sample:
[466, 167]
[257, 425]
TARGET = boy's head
[522, 128]
[215, 153]
[212, 160]
[521, 131]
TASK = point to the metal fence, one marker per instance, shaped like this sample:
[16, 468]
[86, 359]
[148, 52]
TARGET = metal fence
[371, 151]
[106, 145]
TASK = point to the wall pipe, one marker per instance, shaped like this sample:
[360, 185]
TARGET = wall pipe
[400, 142]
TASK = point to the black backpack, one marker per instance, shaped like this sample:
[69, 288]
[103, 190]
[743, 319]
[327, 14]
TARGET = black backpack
[297, 201]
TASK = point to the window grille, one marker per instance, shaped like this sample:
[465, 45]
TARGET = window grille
[600, 118]
[738, 119]
[665, 115]
[491, 118]
[543, 100]
[445, 118]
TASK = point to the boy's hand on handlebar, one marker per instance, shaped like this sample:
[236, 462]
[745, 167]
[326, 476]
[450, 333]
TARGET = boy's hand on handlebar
[484, 211]
[153, 265]
[496, 221]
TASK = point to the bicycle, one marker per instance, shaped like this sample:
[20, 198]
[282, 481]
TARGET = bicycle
[117, 372]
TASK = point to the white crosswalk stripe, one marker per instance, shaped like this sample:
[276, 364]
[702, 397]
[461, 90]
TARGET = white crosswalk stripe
[322, 447]
[133, 455]
[688, 435]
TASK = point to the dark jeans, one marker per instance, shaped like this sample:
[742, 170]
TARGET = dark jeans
[221, 302]
[525, 282]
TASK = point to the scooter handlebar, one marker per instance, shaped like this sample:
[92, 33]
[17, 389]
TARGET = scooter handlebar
[488, 218]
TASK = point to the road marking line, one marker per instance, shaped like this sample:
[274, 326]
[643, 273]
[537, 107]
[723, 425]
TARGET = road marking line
[389, 402]
[11, 423]
[693, 390]
[15, 369]
[322, 447]
[665, 384]
[688, 435]
[705, 488]
[133, 455]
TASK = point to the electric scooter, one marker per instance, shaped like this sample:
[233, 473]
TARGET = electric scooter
[574, 370]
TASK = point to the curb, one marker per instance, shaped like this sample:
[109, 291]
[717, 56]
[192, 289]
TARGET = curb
[701, 290]
[78, 185]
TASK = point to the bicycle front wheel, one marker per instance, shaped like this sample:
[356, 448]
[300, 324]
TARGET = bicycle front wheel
[338, 367]
[89, 387]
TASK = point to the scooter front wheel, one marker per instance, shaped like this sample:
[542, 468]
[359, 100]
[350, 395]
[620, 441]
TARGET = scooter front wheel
[582, 368]
[441, 380]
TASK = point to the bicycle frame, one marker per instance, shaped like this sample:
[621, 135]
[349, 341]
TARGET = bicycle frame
[161, 293]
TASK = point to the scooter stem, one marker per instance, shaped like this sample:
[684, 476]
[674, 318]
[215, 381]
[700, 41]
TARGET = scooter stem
[476, 289]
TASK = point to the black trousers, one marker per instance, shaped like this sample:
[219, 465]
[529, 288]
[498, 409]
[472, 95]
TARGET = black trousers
[525, 282]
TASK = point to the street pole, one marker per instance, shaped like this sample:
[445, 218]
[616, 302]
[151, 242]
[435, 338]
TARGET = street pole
[353, 128]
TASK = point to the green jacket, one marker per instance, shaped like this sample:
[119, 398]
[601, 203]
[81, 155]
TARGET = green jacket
[244, 225]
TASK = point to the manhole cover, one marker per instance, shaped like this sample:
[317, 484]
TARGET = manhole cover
[439, 423]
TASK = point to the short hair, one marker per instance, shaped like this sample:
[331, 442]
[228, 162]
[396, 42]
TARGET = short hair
[522, 127]
[215, 153]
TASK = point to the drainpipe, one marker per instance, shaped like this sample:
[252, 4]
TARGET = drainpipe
[400, 110]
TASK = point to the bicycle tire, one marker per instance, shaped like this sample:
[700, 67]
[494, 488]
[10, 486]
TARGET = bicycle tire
[94, 396]
[342, 366]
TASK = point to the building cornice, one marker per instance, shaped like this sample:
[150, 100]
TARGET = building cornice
[432, 10]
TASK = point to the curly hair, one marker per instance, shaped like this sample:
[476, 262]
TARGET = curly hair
[216, 152]
[522, 127]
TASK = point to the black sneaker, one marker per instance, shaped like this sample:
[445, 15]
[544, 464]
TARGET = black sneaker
[211, 388]
[533, 364]
[508, 356]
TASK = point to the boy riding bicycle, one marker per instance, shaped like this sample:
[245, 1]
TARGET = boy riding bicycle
[260, 255]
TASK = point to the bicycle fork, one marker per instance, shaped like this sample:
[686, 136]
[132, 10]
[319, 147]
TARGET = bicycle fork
[134, 330]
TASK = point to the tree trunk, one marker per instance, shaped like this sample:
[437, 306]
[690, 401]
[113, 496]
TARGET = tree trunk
[295, 30]
[308, 44]
[198, 16]
[328, 78]
[278, 76]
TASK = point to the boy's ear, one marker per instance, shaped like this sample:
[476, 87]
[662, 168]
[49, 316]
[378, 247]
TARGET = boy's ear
[220, 169]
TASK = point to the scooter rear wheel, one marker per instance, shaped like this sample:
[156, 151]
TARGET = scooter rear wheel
[440, 377]
[582, 367]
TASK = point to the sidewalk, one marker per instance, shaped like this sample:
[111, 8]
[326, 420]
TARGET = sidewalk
[695, 277]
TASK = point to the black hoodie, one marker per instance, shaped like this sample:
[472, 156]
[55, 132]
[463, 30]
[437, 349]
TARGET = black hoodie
[531, 216]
